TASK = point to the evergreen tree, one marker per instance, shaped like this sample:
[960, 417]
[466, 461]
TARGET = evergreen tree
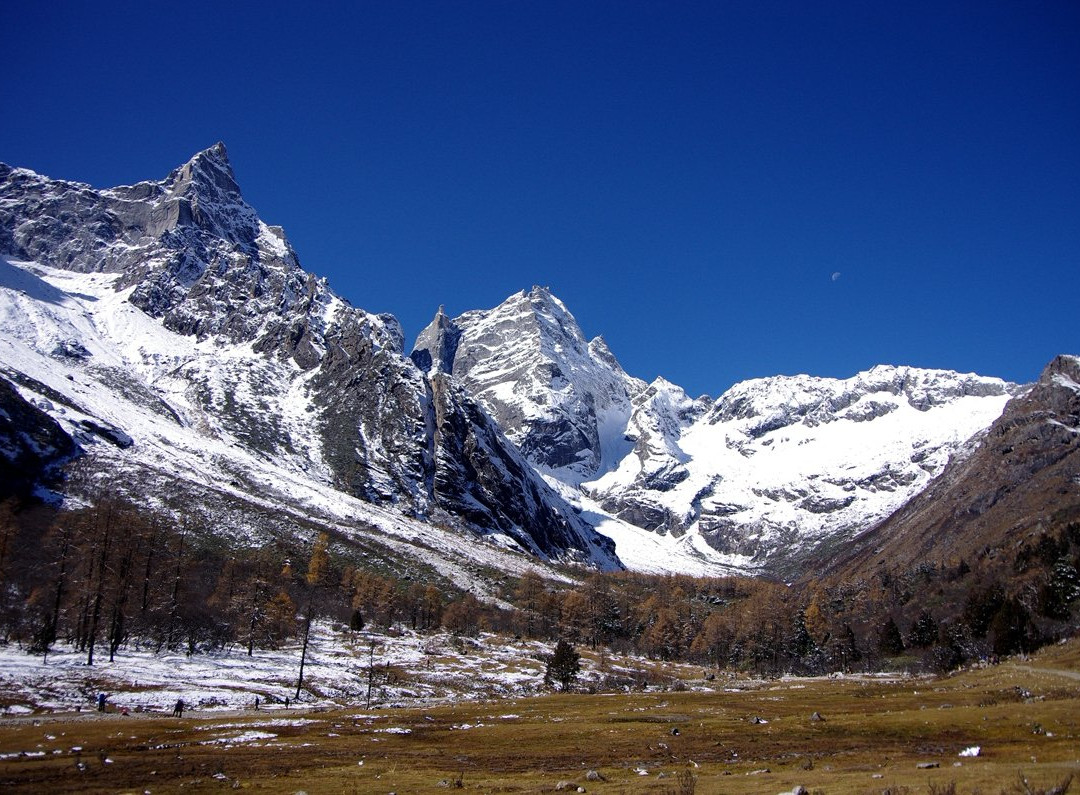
[890, 643]
[981, 607]
[563, 666]
[924, 631]
[1011, 629]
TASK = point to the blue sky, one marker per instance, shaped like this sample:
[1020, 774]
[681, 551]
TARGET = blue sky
[687, 177]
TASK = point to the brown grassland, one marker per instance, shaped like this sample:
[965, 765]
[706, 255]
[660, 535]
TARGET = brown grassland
[739, 738]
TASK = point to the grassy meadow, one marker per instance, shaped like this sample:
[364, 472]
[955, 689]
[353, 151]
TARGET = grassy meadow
[897, 736]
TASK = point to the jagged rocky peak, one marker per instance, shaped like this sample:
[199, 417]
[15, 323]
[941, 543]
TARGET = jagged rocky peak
[290, 375]
[204, 193]
[1063, 372]
[436, 345]
[599, 350]
[668, 407]
[562, 400]
[208, 173]
[194, 217]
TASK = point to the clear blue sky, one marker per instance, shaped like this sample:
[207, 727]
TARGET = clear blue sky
[687, 177]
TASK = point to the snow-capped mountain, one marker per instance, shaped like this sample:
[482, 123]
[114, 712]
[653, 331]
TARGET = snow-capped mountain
[1022, 480]
[167, 331]
[760, 477]
[167, 319]
[778, 466]
[563, 401]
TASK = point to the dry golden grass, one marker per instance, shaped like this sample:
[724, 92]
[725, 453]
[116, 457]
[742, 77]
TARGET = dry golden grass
[873, 736]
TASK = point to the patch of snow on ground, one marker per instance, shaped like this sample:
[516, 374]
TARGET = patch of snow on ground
[411, 669]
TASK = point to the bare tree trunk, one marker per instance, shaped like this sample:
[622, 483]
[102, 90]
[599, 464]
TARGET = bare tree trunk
[256, 597]
[61, 577]
[370, 674]
[303, 649]
[174, 602]
[99, 592]
[123, 586]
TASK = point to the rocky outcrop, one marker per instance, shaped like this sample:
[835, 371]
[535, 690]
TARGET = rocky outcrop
[32, 444]
[478, 474]
[437, 345]
[563, 401]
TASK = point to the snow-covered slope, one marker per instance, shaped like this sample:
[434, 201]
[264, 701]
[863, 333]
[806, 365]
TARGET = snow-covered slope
[1022, 478]
[777, 466]
[166, 321]
[171, 333]
[757, 479]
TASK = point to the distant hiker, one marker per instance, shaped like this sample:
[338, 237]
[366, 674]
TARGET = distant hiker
[178, 710]
[256, 702]
[286, 702]
[101, 702]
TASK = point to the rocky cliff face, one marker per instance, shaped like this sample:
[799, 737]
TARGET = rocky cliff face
[32, 444]
[251, 350]
[563, 401]
[168, 322]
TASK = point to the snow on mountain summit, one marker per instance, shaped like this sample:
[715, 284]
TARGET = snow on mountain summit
[777, 466]
[167, 327]
[562, 400]
[759, 477]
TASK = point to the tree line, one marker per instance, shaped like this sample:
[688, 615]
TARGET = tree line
[111, 575]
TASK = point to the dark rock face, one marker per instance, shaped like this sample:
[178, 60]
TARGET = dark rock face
[479, 474]
[437, 344]
[32, 443]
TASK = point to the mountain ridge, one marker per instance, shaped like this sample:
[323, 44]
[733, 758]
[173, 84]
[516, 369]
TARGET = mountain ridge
[650, 458]
[265, 355]
[1022, 478]
[507, 422]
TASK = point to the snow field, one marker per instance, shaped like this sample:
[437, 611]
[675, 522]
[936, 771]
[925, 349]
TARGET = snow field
[409, 669]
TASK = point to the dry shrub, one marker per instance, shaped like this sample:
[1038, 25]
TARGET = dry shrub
[943, 789]
[1024, 786]
[685, 783]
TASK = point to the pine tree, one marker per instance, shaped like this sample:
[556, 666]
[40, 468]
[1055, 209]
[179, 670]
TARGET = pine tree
[890, 642]
[924, 631]
[563, 666]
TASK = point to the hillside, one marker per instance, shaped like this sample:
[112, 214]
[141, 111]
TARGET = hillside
[1022, 480]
